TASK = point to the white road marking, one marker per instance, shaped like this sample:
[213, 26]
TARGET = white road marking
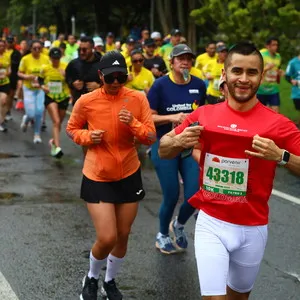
[286, 196]
[6, 291]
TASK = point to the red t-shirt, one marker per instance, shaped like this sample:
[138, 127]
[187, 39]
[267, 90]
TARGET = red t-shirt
[235, 187]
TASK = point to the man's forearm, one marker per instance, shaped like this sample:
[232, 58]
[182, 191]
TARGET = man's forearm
[294, 164]
[169, 147]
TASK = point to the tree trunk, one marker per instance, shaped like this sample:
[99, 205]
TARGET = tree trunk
[102, 9]
[59, 19]
[191, 36]
[181, 13]
[162, 17]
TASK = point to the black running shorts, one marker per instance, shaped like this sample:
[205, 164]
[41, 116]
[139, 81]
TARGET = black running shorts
[63, 105]
[4, 88]
[127, 190]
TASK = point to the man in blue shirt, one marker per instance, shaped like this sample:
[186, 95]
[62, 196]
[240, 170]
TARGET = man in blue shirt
[292, 75]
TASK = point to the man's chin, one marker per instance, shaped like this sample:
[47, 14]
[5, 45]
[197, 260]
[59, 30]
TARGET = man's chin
[243, 99]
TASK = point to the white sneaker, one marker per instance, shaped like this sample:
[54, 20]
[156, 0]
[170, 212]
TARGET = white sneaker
[8, 117]
[37, 139]
[3, 127]
[24, 125]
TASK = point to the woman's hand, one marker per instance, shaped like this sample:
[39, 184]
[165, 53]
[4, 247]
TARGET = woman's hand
[125, 116]
[97, 136]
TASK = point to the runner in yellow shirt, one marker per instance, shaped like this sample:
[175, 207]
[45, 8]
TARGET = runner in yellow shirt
[110, 42]
[57, 95]
[139, 78]
[156, 36]
[214, 75]
[129, 46]
[204, 59]
[4, 82]
[29, 71]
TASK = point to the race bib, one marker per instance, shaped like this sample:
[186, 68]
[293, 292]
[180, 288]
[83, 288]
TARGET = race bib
[2, 73]
[224, 175]
[55, 87]
[216, 84]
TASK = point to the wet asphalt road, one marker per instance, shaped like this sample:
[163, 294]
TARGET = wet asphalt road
[46, 233]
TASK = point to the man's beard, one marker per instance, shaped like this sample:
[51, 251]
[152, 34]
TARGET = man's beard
[242, 98]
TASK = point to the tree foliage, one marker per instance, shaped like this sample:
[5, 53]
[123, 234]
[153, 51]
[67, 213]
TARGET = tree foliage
[253, 20]
[200, 20]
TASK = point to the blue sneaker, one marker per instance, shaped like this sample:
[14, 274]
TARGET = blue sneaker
[180, 237]
[165, 244]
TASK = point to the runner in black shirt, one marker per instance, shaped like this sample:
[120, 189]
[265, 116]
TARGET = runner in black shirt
[152, 62]
[82, 72]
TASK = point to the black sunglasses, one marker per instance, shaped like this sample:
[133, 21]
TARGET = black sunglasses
[134, 61]
[110, 78]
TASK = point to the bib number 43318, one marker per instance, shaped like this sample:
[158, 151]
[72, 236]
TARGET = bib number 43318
[225, 175]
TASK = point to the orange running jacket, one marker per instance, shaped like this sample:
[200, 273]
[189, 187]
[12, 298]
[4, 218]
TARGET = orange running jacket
[115, 157]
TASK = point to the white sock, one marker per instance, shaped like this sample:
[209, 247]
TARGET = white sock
[159, 235]
[177, 224]
[113, 266]
[95, 266]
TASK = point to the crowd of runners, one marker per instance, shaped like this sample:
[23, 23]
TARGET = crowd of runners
[212, 126]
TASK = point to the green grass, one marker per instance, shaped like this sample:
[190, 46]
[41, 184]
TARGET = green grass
[287, 106]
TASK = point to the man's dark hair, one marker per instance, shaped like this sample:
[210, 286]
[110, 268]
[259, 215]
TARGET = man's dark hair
[271, 39]
[244, 48]
[62, 45]
[209, 43]
[87, 39]
[35, 41]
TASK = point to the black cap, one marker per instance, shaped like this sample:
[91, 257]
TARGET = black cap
[222, 48]
[130, 40]
[181, 49]
[110, 34]
[149, 42]
[112, 61]
[175, 32]
[55, 53]
[10, 39]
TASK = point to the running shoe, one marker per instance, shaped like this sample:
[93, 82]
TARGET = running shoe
[3, 127]
[165, 244]
[89, 288]
[180, 237]
[8, 116]
[37, 139]
[55, 151]
[58, 152]
[24, 124]
[109, 291]
[52, 147]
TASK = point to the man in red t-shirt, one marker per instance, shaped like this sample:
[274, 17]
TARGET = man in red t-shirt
[241, 142]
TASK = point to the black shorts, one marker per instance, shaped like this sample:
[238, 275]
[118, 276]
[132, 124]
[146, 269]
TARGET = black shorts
[4, 89]
[297, 104]
[63, 105]
[271, 100]
[127, 190]
[13, 80]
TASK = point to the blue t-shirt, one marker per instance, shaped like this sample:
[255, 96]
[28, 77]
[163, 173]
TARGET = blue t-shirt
[167, 97]
[293, 71]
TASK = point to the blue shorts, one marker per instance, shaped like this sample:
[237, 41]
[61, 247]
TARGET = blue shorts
[270, 100]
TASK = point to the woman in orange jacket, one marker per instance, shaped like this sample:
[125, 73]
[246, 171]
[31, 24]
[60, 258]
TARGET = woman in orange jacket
[112, 186]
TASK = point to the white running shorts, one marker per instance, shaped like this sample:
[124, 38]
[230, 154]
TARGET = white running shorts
[227, 254]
